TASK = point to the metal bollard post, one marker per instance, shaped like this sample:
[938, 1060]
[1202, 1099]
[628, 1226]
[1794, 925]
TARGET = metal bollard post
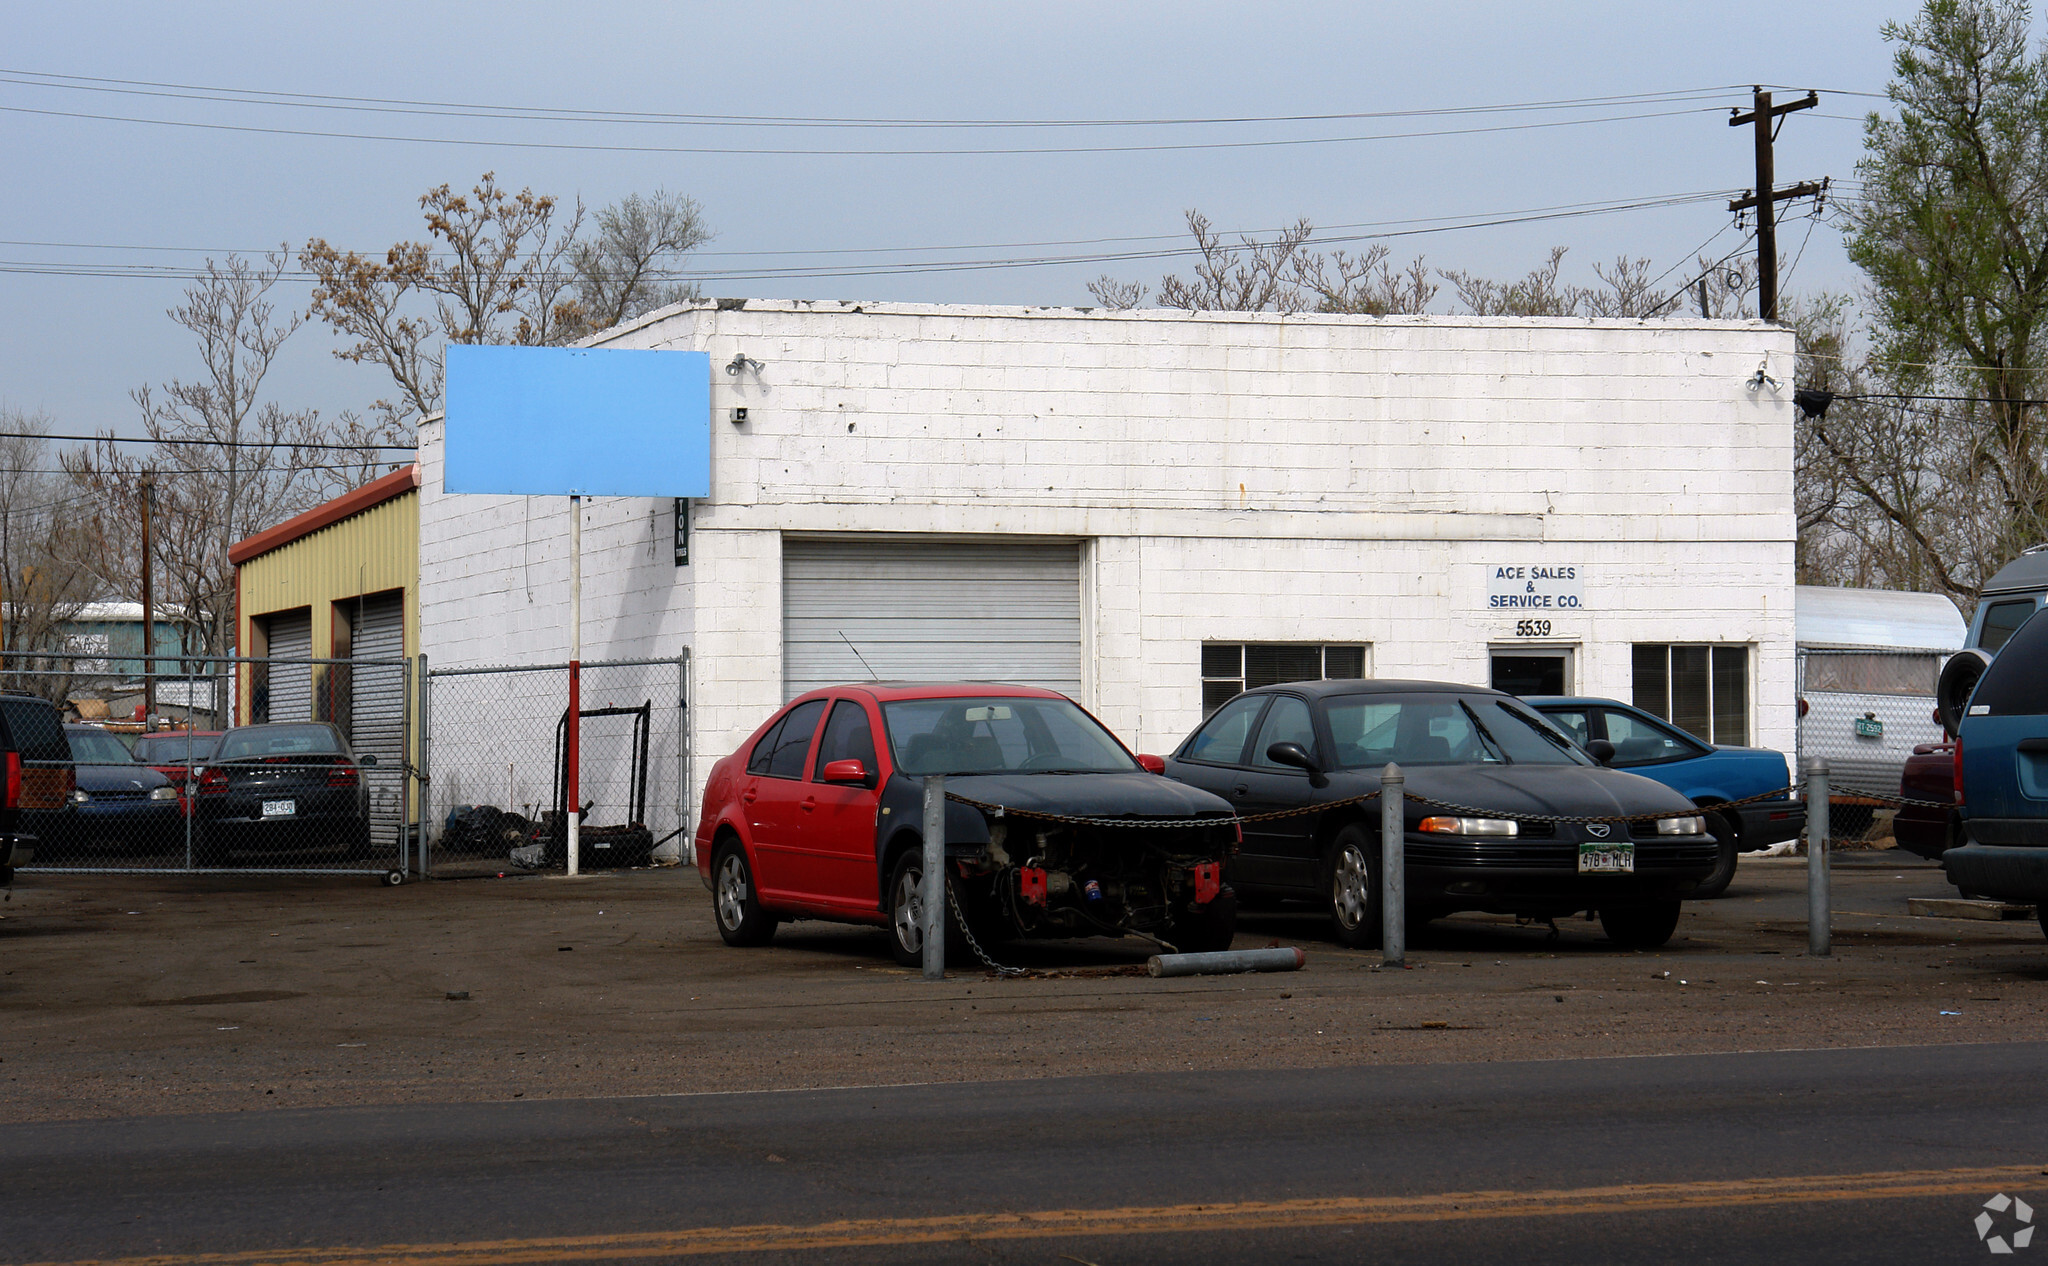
[934, 886]
[1393, 867]
[1818, 918]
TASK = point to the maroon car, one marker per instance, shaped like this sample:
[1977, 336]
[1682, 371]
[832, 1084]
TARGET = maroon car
[1930, 774]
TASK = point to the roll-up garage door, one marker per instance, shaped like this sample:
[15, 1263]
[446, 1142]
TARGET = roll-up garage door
[377, 681]
[930, 611]
[291, 678]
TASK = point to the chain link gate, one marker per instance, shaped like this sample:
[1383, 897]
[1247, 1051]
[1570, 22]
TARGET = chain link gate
[496, 799]
[326, 787]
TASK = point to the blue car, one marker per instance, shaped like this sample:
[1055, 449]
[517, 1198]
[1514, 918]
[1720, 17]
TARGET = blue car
[117, 806]
[2003, 737]
[1701, 772]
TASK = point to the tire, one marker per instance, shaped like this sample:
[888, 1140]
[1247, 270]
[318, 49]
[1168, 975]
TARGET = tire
[1641, 927]
[1351, 888]
[906, 931]
[1727, 844]
[1208, 929]
[734, 903]
[2041, 916]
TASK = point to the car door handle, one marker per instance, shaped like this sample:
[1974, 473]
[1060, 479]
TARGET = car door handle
[2034, 745]
[1240, 790]
[808, 803]
[748, 796]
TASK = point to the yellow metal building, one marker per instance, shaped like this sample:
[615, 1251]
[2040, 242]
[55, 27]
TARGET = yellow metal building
[340, 581]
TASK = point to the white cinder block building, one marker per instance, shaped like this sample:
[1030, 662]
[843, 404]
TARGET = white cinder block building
[1152, 510]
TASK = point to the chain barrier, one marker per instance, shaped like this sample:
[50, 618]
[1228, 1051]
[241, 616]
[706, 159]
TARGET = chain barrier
[1906, 802]
[999, 811]
[960, 917]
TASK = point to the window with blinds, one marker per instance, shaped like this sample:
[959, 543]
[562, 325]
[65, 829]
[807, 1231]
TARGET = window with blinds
[1701, 689]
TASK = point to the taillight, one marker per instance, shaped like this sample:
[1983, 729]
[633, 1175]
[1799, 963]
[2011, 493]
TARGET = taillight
[1955, 777]
[342, 776]
[14, 780]
[213, 782]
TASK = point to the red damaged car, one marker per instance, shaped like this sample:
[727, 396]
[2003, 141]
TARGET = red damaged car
[819, 816]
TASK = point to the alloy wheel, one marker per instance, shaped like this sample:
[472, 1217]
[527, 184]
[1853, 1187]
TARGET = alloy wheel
[909, 916]
[732, 891]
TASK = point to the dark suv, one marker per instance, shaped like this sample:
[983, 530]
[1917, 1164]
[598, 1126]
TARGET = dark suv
[39, 778]
[2001, 763]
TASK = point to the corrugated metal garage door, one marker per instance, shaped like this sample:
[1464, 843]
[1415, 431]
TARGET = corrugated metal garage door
[377, 680]
[930, 611]
[291, 684]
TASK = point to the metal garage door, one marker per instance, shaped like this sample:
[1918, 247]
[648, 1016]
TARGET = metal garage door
[291, 684]
[930, 611]
[377, 704]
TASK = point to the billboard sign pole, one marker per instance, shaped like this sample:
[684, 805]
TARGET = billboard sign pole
[572, 746]
[580, 422]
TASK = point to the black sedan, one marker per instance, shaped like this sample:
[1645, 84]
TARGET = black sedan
[292, 791]
[1494, 772]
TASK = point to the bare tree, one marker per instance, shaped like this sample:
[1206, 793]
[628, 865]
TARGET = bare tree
[1284, 274]
[625, 270]
[502, 278]
[1252, 276]
[46, 571]
[1364, 283]
[1118, 296]
[227, 462]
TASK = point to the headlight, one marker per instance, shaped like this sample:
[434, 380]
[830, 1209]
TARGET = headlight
[1681, 826]
[163, 793]
[79, 797]
[1469, 826]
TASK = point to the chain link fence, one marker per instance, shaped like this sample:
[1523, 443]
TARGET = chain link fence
[133, 772]
[497, 798]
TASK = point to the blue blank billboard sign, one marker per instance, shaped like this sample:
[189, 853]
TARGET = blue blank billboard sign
[578, 421]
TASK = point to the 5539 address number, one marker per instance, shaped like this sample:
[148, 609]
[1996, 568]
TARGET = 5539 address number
[1532, 628]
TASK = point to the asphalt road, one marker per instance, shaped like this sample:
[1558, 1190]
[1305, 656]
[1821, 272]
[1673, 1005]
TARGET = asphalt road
[1825, 1156]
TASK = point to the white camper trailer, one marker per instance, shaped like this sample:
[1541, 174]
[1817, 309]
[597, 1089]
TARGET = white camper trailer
[1867, 664]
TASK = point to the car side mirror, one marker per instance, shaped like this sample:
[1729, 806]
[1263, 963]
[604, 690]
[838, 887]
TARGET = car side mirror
[1152, 764]
[1296, 755]
[849, 770]
[367, 760]
[1600, 750]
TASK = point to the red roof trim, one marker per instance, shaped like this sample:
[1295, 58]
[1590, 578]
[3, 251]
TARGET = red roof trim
[375, 493]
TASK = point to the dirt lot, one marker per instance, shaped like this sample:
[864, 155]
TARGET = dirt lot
[138, 994]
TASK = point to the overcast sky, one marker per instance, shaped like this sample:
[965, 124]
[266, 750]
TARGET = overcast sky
[123, 195]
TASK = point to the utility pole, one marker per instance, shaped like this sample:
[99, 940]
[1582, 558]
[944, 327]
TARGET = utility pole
[148, 604]
[1762, 116]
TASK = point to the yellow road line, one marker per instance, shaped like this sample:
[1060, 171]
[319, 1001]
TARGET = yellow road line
[1059, 1223]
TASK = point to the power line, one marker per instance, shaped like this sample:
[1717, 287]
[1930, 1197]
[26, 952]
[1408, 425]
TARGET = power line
[144, 439]
[987, 151]
[917, 268]
[1700, 195]
[455, 109]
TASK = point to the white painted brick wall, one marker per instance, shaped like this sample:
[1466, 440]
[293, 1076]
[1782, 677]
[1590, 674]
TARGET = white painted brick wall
[1237, 477]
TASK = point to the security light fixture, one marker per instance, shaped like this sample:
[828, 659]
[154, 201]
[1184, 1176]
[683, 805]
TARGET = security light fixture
[742, 363]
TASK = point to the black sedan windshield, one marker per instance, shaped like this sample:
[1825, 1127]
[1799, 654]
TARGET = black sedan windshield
[1442, 729]
[995, 736]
